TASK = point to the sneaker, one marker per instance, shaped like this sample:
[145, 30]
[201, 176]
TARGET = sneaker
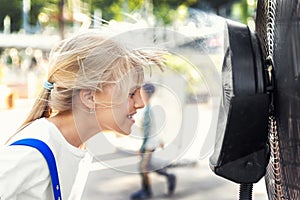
[171, 183]
[141, 194]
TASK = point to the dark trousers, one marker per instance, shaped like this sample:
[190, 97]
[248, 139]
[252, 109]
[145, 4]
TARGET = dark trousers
[145, 169]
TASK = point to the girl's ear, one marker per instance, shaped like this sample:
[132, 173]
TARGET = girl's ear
[87, 98]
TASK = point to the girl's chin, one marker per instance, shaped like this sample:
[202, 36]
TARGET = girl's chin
[124, 132]
[120, 132]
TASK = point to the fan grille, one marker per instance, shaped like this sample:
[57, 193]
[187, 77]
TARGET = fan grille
[278, 27]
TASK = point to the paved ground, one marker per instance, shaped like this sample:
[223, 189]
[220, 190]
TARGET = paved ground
[196, 182]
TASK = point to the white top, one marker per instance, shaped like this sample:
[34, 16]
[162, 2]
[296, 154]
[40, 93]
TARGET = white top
[24, 172]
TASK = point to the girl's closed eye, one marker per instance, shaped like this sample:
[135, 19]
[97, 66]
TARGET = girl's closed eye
[131, 94]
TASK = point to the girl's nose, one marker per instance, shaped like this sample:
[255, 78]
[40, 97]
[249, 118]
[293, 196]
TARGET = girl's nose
[138, 101]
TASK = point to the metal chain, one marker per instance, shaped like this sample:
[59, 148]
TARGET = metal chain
[274, 172]
[274, 179]
[270, 27]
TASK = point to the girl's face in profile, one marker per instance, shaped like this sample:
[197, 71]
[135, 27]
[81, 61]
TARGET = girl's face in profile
[118, 112]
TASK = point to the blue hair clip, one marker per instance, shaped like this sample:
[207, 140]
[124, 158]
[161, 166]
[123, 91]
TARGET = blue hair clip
[47, 85]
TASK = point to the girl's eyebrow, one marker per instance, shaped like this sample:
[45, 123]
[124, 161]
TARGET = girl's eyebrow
[135, 88]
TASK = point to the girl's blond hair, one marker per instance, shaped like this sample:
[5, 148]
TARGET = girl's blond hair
[88, 61]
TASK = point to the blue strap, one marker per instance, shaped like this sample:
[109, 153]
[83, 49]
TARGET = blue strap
[47, 153]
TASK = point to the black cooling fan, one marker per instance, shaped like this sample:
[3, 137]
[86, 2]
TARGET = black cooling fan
[241, 150]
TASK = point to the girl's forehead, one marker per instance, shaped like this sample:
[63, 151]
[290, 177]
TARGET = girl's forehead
[136, 78]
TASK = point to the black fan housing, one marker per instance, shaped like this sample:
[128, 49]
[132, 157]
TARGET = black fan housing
[241, 153]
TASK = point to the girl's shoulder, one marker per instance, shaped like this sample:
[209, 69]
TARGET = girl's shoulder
[40, 129]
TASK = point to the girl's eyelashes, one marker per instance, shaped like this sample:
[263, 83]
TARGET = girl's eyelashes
[131, 94]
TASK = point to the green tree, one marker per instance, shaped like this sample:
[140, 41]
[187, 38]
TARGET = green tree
[116, 9]
[12, 8]
[164, 10]
[51, 9]
[36, 8]
[243, 10]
